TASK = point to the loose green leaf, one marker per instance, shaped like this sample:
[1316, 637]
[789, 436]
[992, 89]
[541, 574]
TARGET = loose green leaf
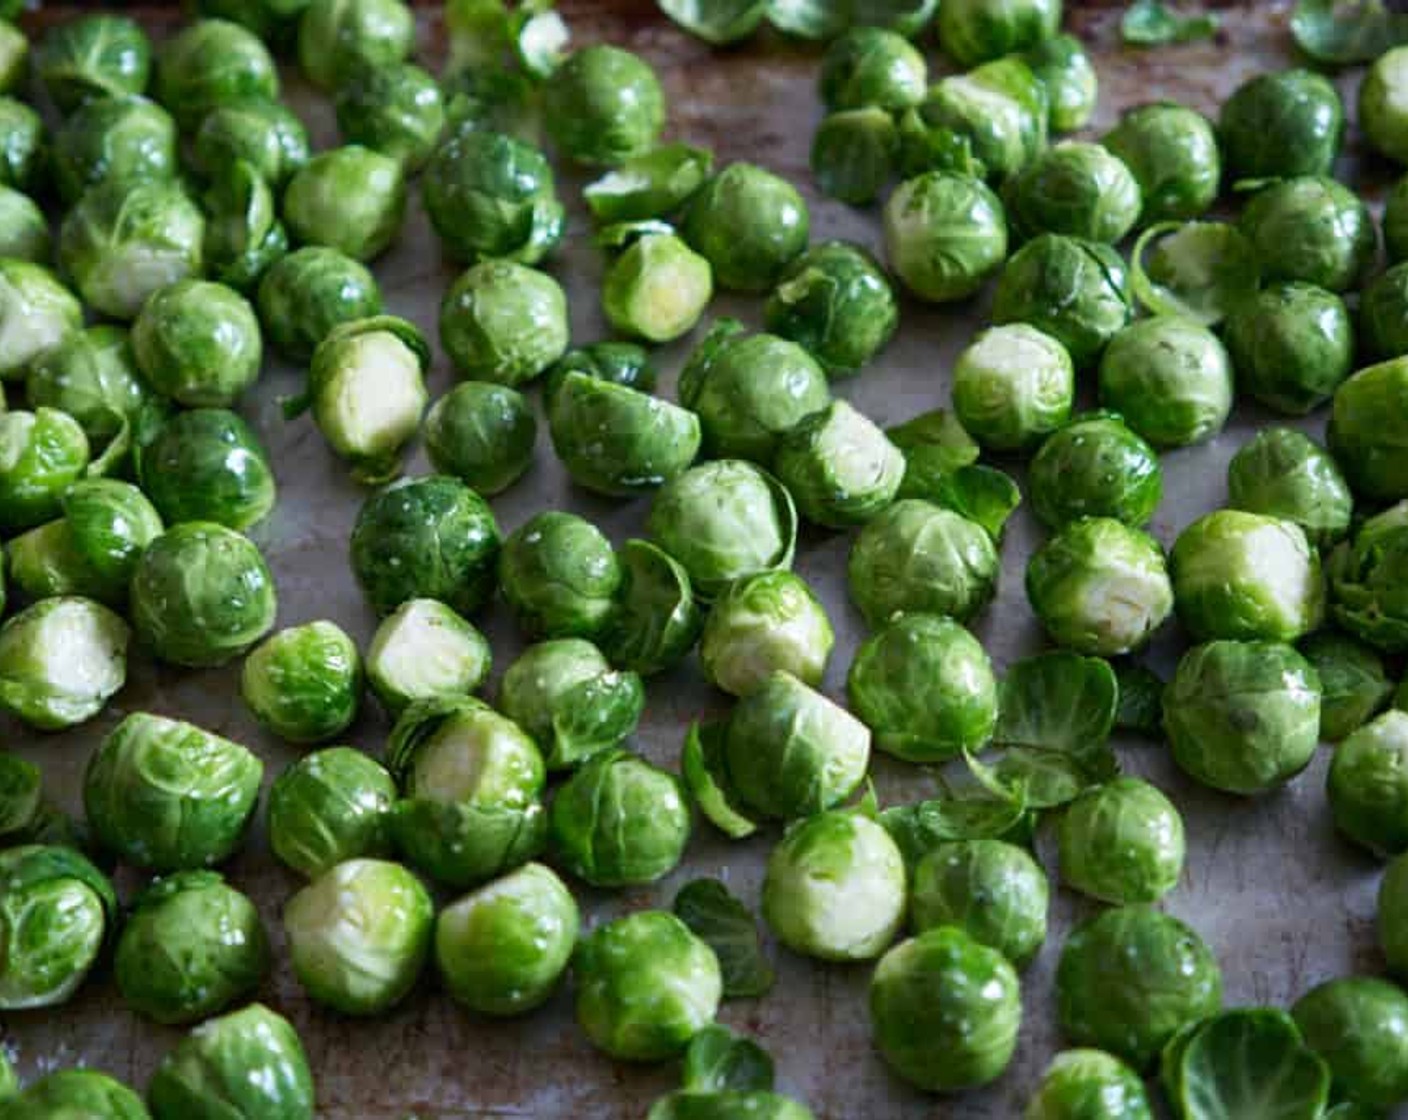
[1141, 707]
[1054, 778]
[708, 908]
[721, 1061]
[982, 494]
[925, 147]
[1058, 702]
[706, 779]
[917, 829]
[653, 185]
[541, 43]
[1251, 1065]
[618, 235]
[1151, 23]
[1198, 269]
[1345, 32]
[717, 21]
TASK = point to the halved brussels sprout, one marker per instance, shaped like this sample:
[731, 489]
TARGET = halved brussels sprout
[426, 538]
[603, 105]
[359, 934]
[655, 620]
[855, 154]
[1078, 189]
[1122, 842]
[1291, 345]
[1087, 1083]
[94, 56]
[504, 322]
[328, 807]
[762, 623]
[1359, 1026]
[1311, 229]
[839, 467]
[1065, 71]
[993, 891]
[1283, 473]
[1353, 684]
[1367, 788]
[872, 66]
[37, 313]
[1095, 467]
[1172, 153]
[657, 288]
[836, 302]
[559, 576]
[501, 950]
[207, 465]
[306, 294]
[304, 684]
[423, 649]
[122, 140]
[264, 133]
[165, 795]
[198, 343]
[23, 156]
[482, 434]
[1170, 379]
[338, 39]
[24, 229]
[397, 110]
[210, 63]
[1012, 386]
[41, 454]
[1281, 124]
[351, 199]
[646, 985]
[974, 31]
[61, 661]
[945, 1011]
[77, 1092]
[749, 225]
[1381, 104]
[945, 235]
[1243, 717]
[996, 115]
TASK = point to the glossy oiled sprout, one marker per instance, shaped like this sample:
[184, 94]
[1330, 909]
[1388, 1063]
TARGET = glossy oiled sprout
[995, 114]
[1095, 467]
[1170, 379]
[1366, 786]
[1077, 189]
[1291, 345]
[24, 230]
[265, 134]
[424, 649]
[91, 57]
[749, 225]
[338, 38]
[1172, 153]
[61, 661]
[207, 465]
[330, 806]
[84, 1091]
[306, 294]
[945, 235]
[37, 314]
[604, 105]
[974, 31]
[1364, 427]
[42, 453]
[304, 684]
[836, 302]
[993, 891]
[855, 154]
[243, 236]
[504, 322]
[397, 110]
[198, 343]
[559, 575]
[210, 63]
[657, 288]
[482, 434]
[1066, 72]
[762, 623]
[1311, 229]
[1281, 124]
[1122, 842]
[1356, 1025]
[1381, 112]
[121, 140]
[1281, 472]
[1013, 386]
[351, 199]
[1081, 1083]
[872, 66]
[839, 467]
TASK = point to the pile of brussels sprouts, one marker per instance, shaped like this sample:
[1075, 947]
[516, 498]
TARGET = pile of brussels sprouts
[165, 224]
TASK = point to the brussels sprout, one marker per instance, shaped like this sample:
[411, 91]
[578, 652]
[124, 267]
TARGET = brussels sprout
[1359, 1026]
[211, 63]
[945, 235]
[359, 934]
[762, 623]
[192, 947]
[993, 891]
[482, 434]
[306, 294]
[328, 807]
[1072, 87]
[1281, 124]
[1291, 345]
[167, 796]
[1089, 1085]
[749, 225]
[56, 912]
[559, 576]
[1012, 386]
[14, 66]
[41, 454]
[873, 66]
[723, 520]
[489, 195]
[207, 465]
[645, 986]
[1170, 378]
[835, 301]
[94, 56]
[974, 31]
[1095, 467]
[202, 595]
[22, 152]
[502, 949]
[83, 1094]
[925, 688]
[471, 791]
[998, 110]
[621, 363]
[791, 752]
[504, 322]
[1366, 581]
[397, 110]
[1195, 270]
[337, 39]
[198, 343]
[1361, 432]
[262, 132]
[305, 683]
[655, 620]
[604, 105]
[1366, 786]
[840, 468]
[1311, 229]
[351, 199]
[1172, 153]
[248, 1063]
[1353, 685]
[1392, 921]
[24, 230]
[1122, 842]
[855, 154]
[1380, 105]
[37, 314]
[122, 242]
[1243, 717]
[92, 375]
[654, 184]
[916, 556]
[1383, 313]
[61, 661]
[1283, 473]
[1077, 189]
[945, 1011]
[122, 140]
[243, 235]
[426, 538]
[423, 650]
[1076, 291]
[657, 288]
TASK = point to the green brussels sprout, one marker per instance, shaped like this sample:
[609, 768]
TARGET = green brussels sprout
[24, 230]
[723, 520]
[264, 133]
[198, 343]
[1170, 379]
[791, 752]
[248, 1063]
[1291, 345]
[835, 888]
[359, 934]
[1366, 785]
[1244, 576]
[504, 322]
[762, 623]
[646, 985]
[501, 950]
[83, 1094]
[1366, 581]
[1243, 717]
[945, 235]
[1078, 189]
[993, 891]
[619, 821]
[328, 807]
[243, 235]
[41, 454]
[855, 154]
[1392, 919]
[916, 556]
[998, 111]
[471, 791]
[1173, 155]
[1359, 1026]
[490, 195]
[123, 242]
[306, 294]
[1383, 313]
[974, 31]
[1353, 685]
[21, 801]
[1089, 1085]
[91, 57]
[337, 39]
[1012, 386]
[1065, 71]
[1395, 222]
[652, 185]
[559, 576]
[14, 66]
[366, 387]
[945, 1011]
[482, 434]
[191, 947]
[304, 684]
[839, 467]
[604, 105]
[1281, 124]
[210, 63]
[836, 302]
[1095, 467]
[657, 288]
[56, 913]
[61, 661]
[125, 139]
[397, 110]
[202, 595]
[1311, 229]
[873, 66]
[1362, 434]
[749, 225]
[207, 465]
[621, 363]
[421, 650]
[92, 375]
[37, 314]
[1380, 105]
[1122, 842]
[567, 696]
[1130, 979]
[22, 153]
[925, 688]
[351, 199]
[1076, 291]
[426, 538]
[1283, 473]
[167, 796]
[656, 619]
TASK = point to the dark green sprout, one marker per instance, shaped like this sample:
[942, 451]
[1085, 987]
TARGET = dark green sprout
[207, 465]
[339, 38]
[123, 140]
[837, 303]
[210, 63]
[306, 294]
[396, 110]
[482, 434]
[749, 225]
[1281, 472]
[1172, 153]
[1279, 125]
[1292, 345]
[603, 105]
[263, 133]
[94, 56]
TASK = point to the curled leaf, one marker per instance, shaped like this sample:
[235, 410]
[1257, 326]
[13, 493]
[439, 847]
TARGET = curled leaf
[728, 927]
[1152, 23]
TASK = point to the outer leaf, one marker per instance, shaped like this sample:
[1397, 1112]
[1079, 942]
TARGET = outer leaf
[1252, 1065]
[652, 185]
[1198, 269]
[810, 19]
[982, 494]
[708, 908]
[1150, 23]
[1058, 702]
[1055, 778]
[919, 828]
[1141, 707]
[707, 780]
[720, 1061]
[1344, 32]
[717, 21]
